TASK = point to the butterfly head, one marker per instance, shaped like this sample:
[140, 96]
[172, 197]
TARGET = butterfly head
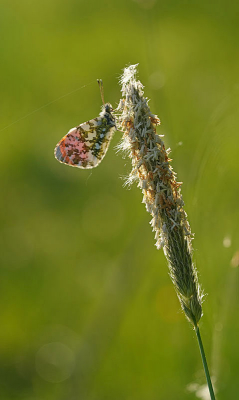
[106, 113]
[108, 108]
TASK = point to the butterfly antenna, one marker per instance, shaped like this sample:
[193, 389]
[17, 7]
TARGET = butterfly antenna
[100, 83]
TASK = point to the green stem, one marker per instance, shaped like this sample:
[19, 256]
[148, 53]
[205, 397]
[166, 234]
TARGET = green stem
[204, 361]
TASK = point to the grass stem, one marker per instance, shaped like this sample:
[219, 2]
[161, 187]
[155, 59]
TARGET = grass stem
[204, 361]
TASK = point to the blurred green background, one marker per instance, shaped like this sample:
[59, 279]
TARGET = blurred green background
[87, 307]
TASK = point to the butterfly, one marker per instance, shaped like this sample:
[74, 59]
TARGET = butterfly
[86, 145]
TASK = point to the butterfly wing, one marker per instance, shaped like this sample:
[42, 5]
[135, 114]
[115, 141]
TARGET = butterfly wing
[86, 145]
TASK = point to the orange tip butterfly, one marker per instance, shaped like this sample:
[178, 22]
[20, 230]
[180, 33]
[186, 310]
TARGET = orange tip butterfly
[86, 145]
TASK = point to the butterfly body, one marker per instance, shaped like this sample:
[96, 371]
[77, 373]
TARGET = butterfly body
[86, 145]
